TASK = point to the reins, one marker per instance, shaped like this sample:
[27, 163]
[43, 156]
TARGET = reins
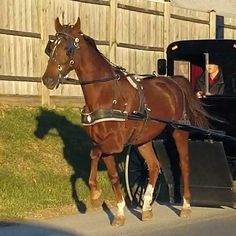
[178, 125]
[67, 80]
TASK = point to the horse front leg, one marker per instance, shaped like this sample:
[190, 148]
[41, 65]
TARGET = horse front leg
[181, 141]
[110, 163]
[95, 194]
[153, 164]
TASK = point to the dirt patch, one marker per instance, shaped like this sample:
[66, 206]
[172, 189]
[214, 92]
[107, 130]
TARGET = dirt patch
[52, 212]
[64, 211]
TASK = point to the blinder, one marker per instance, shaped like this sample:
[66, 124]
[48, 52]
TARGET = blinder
[69, 49]
[49, 47]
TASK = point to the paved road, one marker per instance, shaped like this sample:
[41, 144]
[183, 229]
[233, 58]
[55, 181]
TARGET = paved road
[204, 221]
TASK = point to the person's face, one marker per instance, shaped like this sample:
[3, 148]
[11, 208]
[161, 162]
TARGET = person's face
[212, 68]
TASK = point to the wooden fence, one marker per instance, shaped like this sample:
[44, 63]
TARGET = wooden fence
[132, 33]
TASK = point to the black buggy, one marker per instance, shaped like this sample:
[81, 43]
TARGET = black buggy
[212, 157]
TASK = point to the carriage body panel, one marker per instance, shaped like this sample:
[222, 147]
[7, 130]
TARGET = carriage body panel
[212, 160]
[211, 181]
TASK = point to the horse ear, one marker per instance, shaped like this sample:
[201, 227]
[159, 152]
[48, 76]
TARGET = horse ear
[77, 25]
[58, 25]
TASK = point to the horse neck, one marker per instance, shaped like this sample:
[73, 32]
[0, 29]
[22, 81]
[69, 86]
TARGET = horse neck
[92, 66]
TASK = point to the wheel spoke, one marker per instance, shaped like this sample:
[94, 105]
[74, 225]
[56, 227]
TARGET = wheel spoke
[140, 196]
[136, 179]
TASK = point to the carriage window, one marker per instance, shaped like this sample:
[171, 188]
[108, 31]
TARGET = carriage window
[182, 68]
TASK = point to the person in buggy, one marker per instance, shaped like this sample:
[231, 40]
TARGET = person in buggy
[215, 80]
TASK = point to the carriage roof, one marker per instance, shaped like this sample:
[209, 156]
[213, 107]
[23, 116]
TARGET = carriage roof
[202, 46]
[193, 50]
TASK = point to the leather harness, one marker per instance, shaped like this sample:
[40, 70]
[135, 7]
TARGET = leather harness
[101, 115]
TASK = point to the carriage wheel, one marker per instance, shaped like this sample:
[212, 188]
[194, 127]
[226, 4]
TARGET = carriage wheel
[136, 177]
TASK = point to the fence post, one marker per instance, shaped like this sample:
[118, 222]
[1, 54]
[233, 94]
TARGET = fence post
[112, 39]
[166, 25]
[212, 24]
[44, 37]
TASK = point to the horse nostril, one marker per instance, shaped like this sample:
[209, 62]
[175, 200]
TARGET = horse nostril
[44, 80]
[49, 82]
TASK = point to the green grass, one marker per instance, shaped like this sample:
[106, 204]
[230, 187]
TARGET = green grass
[44, 162]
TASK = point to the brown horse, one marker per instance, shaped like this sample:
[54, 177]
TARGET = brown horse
[111, 100]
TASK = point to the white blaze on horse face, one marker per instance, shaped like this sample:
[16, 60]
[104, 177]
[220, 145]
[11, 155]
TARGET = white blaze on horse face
[56, 43]
[147, 199]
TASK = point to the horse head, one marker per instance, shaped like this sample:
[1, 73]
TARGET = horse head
[46, 120]
[61, 52]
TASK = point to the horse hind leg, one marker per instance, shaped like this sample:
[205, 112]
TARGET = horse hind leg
[110, 163]
[148, 153]
[181, 141]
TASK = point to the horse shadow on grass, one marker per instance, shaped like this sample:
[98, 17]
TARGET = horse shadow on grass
[76, 149]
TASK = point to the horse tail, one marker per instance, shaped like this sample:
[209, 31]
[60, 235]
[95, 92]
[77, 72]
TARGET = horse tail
[196, 113]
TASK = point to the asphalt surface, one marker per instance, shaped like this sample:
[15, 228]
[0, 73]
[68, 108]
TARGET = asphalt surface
[205, 221]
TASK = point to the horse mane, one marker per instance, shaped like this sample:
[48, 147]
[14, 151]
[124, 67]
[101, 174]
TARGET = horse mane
[91, 41]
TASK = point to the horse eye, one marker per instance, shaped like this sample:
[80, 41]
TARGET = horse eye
[69, 51]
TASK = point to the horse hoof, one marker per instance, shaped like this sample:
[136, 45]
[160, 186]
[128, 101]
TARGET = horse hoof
[185, 212]
[118, 221]
[147, 215]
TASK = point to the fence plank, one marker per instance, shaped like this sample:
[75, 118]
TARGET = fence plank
[166, 26]
[132, 33]
[44, 6]
[112, 29]
[212, 24]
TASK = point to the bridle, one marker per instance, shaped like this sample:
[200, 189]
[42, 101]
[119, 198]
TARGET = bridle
[72, 46]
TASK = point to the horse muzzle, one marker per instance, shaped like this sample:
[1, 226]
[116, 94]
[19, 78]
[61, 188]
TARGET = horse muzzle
[51, 83]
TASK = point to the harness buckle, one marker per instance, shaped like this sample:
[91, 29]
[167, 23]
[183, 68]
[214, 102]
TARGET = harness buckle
[76, 42]
[72, 62]
[117, 76]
